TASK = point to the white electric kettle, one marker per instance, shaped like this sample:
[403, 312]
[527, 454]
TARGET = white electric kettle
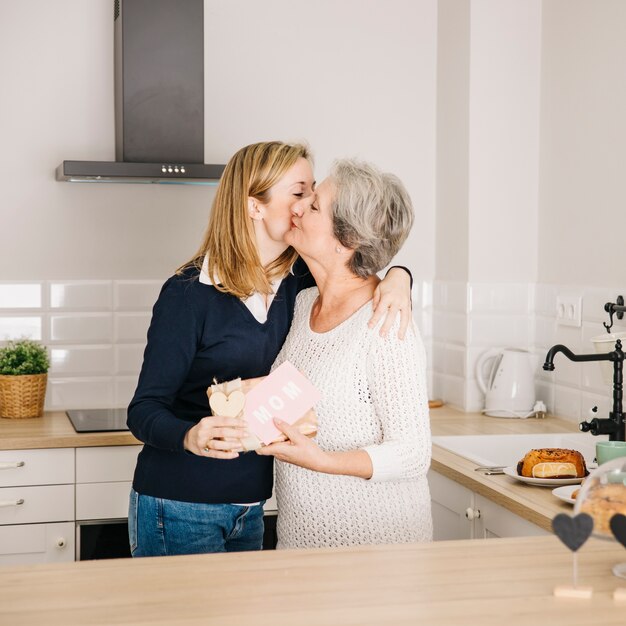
[510, 387]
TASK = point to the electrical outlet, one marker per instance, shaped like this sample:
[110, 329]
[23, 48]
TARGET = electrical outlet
[569, 310]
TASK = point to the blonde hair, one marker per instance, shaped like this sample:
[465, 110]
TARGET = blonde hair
[229, 240]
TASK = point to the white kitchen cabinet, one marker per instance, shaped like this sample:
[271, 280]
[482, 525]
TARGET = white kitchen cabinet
[36, 506]
[25, 544]
[496, 521]
[36, 467]
[449, 503]
[103, 480]
[459, 513]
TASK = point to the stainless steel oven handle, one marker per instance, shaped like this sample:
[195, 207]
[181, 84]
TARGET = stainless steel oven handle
[11, 502]
[11, 465]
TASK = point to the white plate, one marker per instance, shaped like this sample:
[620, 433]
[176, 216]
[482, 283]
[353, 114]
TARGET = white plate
[540, 482]
[565, 493]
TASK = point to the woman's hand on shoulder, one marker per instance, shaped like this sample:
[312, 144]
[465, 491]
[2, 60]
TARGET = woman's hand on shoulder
[216, 437]
[298, 450]
[392, 297]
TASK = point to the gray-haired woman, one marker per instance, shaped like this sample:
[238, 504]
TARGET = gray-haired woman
[363, 480]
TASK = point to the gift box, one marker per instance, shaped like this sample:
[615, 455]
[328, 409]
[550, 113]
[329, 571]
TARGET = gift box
[285, 394]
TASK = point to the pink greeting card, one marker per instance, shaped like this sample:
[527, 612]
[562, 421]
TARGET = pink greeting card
[285, 394]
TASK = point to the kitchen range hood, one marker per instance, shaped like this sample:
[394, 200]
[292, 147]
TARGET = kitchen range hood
[159, 98]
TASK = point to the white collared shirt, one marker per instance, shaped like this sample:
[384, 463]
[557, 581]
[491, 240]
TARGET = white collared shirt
[256, 303]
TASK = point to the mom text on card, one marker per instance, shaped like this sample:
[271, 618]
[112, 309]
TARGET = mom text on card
[290, 392]
[285, 394]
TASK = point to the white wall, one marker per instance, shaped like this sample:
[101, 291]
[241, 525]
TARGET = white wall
[487, 187]
[582, 225]
[453, 57]
[526, 174]
[353, 78]
[504, 139]
[80, 264]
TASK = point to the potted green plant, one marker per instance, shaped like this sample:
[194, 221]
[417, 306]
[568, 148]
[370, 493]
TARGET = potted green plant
[23, 378]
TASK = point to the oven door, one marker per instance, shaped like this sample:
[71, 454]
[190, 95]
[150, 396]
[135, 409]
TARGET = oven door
[102, 539]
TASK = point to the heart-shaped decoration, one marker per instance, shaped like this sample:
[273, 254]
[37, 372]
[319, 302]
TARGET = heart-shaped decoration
[228, 405]
[618, 527]
[573, 531]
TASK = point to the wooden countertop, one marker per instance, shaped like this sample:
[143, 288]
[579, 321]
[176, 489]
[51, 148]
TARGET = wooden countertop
[54, 430]
[486, 582]
[536, 504]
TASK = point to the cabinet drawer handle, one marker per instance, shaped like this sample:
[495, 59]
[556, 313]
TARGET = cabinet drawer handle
[11, 502]
[11, 465]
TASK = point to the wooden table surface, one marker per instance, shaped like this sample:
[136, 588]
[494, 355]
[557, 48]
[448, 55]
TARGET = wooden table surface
[54, 430]
[483, 582]
[495, 581]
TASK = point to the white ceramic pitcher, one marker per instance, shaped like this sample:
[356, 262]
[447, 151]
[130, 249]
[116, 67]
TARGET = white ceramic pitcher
[510, 387]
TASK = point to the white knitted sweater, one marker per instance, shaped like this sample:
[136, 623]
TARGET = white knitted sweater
[374, 398]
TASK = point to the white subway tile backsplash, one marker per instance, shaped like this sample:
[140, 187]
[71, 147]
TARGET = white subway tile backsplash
[473, 356]
[474, 397]
[424, 321]
[545, 392]
[568, 336]
[567, 372]
[604, 402]
[80, 393]
[438, 360]
[20, 326]
[457, 298]
[136, 295]
[545, 328]
[567, 402]
[131, 327]
[125, 390]
[499, 298]
[20, 296]
[426, 295]
[524, 316]
[129, 359]
[82, 361]
[454, 361]
[501, 330]
[597, 377]
[96, 354]
[450, 327]
[594, 299]
[454, 391]
[81, 295]
[437, 385]
[81, 328]
[545, 300]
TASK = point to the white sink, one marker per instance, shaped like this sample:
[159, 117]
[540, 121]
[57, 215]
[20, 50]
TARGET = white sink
[509, 449]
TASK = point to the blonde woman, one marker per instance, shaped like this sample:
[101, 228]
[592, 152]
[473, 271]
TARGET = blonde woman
[225, 314]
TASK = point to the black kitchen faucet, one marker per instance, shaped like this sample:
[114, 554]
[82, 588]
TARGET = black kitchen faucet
[614, 425]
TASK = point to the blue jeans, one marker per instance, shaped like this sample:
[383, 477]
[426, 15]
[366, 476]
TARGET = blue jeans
[160, 527]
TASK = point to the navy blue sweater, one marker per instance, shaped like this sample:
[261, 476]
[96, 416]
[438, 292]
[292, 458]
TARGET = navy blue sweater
[198, 334]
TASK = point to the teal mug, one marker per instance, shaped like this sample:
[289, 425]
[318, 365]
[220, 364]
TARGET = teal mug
[609, 450]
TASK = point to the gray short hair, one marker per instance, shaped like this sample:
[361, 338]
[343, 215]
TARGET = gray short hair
[372, 214]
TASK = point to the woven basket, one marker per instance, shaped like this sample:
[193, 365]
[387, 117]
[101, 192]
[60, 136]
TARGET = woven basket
[22, 396]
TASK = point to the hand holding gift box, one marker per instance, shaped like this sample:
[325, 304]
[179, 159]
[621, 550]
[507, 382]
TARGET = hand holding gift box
[285, 394]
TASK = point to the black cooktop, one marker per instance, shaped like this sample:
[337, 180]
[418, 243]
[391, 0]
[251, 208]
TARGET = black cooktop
[97, 420]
